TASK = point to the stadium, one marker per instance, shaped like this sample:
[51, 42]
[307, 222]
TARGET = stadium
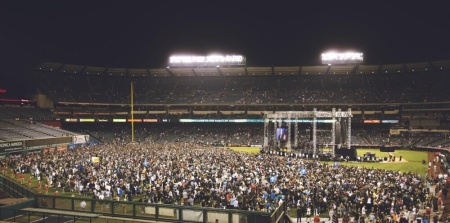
[206, 110]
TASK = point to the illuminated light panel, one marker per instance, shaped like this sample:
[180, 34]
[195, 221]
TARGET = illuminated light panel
[134, 120]
[372, 121]
[215, 60]
[342, 58]
[150, 120]
[390, 121]
[87, 120]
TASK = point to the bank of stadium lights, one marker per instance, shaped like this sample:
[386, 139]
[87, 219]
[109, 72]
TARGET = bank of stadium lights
[330, 58]
[210, 60]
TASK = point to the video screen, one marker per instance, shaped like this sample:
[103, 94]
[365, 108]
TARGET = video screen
[282, 134]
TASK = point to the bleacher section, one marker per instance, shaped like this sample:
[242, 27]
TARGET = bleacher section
[389, 83]
[22, 123]
[24, 130]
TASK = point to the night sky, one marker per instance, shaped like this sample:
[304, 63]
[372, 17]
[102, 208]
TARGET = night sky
[120, 34]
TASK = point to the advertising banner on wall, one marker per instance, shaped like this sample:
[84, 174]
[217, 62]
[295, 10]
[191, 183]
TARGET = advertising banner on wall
[48, 150]
[11, 146]
[61, 148]
[80, 139]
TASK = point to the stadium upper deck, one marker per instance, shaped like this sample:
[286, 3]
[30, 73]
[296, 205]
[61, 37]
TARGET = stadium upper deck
[348, 84]
[246, 71]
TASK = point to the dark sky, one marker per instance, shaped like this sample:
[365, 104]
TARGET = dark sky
[144, 34]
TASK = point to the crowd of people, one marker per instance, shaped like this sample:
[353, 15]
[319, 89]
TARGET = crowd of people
[189, 174]
[270, 89]
[253, 134]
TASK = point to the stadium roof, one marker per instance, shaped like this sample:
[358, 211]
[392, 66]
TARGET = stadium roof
[245, 71]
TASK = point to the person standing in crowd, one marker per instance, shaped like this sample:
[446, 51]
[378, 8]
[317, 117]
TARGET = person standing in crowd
[308, 213]
[445, 192]
[435, 218]
[39, 186]
[330, 213]
[334, 218]
[299, 213]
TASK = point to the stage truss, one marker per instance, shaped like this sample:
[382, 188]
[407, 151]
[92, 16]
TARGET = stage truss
[289, 118]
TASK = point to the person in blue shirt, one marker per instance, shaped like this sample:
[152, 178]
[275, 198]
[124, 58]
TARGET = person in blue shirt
[120, 192]
[272, 196]
[268, 206]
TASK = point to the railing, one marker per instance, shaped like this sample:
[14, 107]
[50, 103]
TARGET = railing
[13, 210]
[17, 191]
[158, 212]
[278, 214]
[135, 210]
[14, 189]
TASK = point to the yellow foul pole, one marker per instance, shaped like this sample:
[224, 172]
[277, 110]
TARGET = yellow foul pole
[132, 111]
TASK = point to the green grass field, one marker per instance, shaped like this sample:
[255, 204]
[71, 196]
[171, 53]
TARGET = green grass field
[413, 158]
[253, 150]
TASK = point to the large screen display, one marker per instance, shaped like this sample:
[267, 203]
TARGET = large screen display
[282, 134]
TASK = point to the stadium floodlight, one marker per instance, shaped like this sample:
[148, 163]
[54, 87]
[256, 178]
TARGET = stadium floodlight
[210, 60]
[342, 58]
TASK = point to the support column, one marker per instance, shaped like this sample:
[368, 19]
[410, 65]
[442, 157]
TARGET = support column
[289, 122]
[333, 131]
[296, 134]
[314, 125]
[266, 133]
[278, 126]
[349, 130]
[275, 125]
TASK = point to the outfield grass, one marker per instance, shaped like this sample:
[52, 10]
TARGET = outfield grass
[253, 150]
[414, 161]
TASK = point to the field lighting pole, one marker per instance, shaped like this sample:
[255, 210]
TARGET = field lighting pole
[132, 110]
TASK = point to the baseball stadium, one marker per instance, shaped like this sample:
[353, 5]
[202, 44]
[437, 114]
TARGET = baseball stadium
[195, 143]
[224, 112]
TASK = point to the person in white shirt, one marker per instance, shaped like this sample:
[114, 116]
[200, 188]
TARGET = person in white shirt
[331, 213]
[308, 213]
[101, 197]
[371, 217]
[413, 214]
[236, 203]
